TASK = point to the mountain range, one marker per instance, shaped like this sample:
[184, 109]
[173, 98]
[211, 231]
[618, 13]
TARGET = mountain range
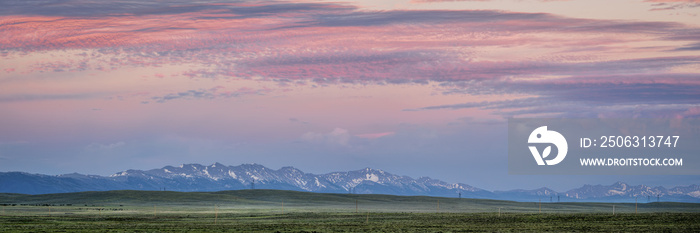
[217, 177]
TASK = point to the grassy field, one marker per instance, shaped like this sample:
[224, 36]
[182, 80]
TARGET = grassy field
[289, 211]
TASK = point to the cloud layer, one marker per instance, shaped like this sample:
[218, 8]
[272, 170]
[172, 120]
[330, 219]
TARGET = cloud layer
[574, 61]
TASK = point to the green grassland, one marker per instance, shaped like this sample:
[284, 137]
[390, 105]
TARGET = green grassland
[290, 211]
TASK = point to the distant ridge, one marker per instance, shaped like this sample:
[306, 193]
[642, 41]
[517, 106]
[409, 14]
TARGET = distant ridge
[218, 177]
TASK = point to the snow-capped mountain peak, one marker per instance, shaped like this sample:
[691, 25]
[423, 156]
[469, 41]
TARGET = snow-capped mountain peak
[217, 176]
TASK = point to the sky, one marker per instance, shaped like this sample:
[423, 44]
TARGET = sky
[412, 87]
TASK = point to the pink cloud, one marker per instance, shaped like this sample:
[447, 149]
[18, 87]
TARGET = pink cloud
[688, 1]
[661, 5]
[431, 1]
[211, 93]
[374, 135]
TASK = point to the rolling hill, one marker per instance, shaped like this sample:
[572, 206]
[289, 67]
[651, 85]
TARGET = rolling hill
[262, 200]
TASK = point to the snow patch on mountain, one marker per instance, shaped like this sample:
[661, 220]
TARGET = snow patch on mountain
[372, 177]
[695, 194]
